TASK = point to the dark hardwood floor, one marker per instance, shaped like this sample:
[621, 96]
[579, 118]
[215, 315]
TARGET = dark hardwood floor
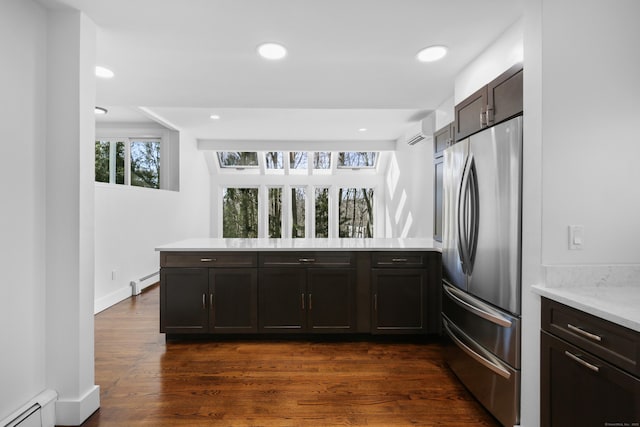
[259, 381]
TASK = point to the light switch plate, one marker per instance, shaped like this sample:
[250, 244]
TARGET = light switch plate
[576, 237]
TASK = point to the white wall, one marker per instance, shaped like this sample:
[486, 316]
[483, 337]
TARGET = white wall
[132, 221]
[591, 147]
[504, 52]
[409, 191]
[22, 216]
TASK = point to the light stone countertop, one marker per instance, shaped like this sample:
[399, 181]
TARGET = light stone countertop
[617, 304]
[382, 244]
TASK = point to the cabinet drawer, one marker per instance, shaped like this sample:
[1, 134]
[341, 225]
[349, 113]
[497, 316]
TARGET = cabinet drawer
[614, 343]
[208, 259]
[398, 259]
[315, 259]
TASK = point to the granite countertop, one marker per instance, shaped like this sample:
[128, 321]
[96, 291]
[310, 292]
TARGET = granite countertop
[617, 304]
[210, 244]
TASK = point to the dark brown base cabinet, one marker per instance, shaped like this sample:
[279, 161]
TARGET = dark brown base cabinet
[208, 300]
[399, 301]
[300, 292]
[307, 300]
[578, 387]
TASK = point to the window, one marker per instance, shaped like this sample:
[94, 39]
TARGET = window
[298, 198]
[357, 160]
[103, 153]
[240, 212]
[322, 160]
[144, 159]
[322, 212]
[145, 163]
[238, 159]
[298, 160]
[274, 160]
[297, 194]
[275, 212]
[355, 212]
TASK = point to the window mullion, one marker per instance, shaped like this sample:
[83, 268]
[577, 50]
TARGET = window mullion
[127, 161]
[263, 211]
[112, 161]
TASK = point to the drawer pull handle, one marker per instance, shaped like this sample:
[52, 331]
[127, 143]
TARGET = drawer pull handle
[207, 259]
[306, 259]
[584, 333]
[587, 365]
[399, 260]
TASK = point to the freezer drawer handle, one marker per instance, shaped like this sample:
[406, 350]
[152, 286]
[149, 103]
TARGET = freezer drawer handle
[478, 358]
[493, 318]
[584, 333]
[588, 365]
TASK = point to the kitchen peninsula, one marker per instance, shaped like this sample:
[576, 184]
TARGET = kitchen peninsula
[315, 286]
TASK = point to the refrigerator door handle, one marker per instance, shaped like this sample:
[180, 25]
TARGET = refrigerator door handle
[474, 214]
[493, 366]
[484, 313]
[463, 218]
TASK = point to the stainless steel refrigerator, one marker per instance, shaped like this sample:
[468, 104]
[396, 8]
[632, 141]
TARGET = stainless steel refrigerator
[481, 254]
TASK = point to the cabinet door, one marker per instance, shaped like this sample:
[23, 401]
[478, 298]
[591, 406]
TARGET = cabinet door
[505, 95]
[233, 300]
[470, 114]
[438, 165]
[442, 139]
[331, 303]
[399, 301]
[282, 300]
[578, 389]
[184, 300]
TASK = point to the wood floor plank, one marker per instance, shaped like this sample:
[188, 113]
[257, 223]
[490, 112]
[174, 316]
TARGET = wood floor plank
[269, 381]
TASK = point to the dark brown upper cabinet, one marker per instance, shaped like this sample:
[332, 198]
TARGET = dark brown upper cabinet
[505, 96]
[499, 100]
[442, 139]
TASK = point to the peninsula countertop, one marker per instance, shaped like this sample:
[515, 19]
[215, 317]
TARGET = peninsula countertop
[326, 244]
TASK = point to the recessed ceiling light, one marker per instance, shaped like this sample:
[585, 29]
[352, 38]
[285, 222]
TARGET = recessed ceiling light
[100, 110]
[104, 73]
[214, 117]
[431, 53]
[272, 51]
[362, 130]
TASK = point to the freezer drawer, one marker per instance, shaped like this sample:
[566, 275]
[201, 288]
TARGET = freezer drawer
[496, 330]
[495, 384]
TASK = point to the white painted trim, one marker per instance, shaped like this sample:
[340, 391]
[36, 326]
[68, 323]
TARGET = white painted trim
[334, 146]
[112, 298]
[75, 412]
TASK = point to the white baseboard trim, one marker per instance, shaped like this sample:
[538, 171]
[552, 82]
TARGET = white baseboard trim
[75, 412]
[111, 299]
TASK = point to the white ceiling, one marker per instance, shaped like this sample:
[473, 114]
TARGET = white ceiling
[351, 63]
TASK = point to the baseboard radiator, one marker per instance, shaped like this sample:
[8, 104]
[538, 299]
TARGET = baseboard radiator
[39, 412]
[28, 418]
[138, 285]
